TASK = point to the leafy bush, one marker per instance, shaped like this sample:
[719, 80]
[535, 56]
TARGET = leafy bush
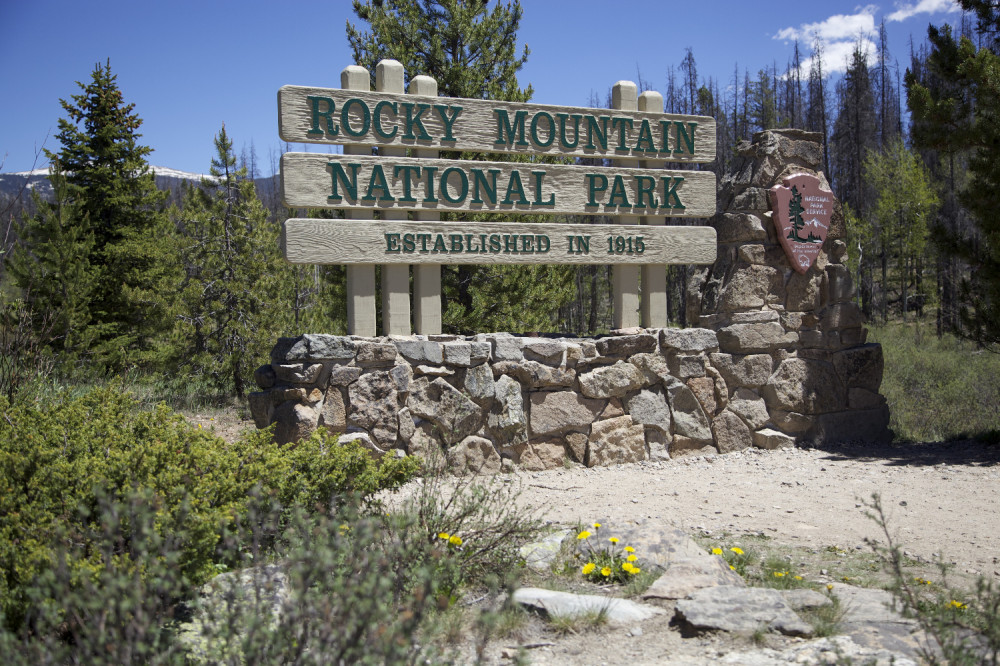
[58, 462]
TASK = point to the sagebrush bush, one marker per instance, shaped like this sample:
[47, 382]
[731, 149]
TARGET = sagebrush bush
[60, 461]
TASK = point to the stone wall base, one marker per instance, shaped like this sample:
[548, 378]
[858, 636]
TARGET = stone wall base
[490, 402]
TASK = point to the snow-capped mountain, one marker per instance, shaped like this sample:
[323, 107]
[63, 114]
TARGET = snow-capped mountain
[12, 184]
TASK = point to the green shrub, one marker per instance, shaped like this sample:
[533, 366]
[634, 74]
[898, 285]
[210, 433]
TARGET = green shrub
[57, 462]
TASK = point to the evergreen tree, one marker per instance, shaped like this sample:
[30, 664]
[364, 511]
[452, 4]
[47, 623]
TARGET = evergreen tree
[471, 50]
[233, 274]
[967, 120]
[113, 189]
[51, 264]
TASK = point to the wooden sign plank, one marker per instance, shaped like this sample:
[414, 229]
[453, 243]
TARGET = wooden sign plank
[330, 115]
[311, 180]
[314, 241]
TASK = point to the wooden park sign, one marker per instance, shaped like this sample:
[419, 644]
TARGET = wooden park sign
[409, 185]
[802, 212]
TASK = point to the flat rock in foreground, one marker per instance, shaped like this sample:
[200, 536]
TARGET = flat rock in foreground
[741, 610]
[564, 604]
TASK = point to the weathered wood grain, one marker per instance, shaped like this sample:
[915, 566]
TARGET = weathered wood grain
[314, 241]
[311, 180]
[477, 127]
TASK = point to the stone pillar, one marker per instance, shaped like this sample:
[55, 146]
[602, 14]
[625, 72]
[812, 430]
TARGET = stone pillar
[797, 341]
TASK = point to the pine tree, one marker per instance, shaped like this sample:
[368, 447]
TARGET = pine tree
[233, 274]
[965, 119]
[471, 50]
[51, 265]
[112, 187]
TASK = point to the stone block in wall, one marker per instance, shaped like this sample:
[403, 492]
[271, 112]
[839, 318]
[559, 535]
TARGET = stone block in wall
[754, 317]
[542, 350]
[730, 432]
[859, 398]
[479, 382]
[261, 408]
[752, 287]
[689, 339]
[425, 443]
[649, 407]
[751, 199]
[684, 446]
[856, 425]
[752, 370]
[264, 376]
[615, 441]
[752, 253]
[841, 315]
[860, 367]
[402, 376]
[457, 353]
[626, 345]
[803, 292]
[689, 417]
[853, 337]
[613, 409]
[474, 455]
[344, 375]
[374, 406]
[690, 366]
[407, 428]
[543, 454]
[433, 371]
[505, 348]
[771, 439]
[365, 441]
[792, 422]
[704, 390]
[654, 368]
[738, 228]
[576, 446]
[754, 338]
[535, 375]
[839, 284]
[657, 444]
[805, 386]
[298, 373]
[750, 407]
[611, 381]
[333, 415]
[420, 351]
[316, 347]
[446, 407]
[838, 251]
[479, 352]
[371, 354]
[556, 411]
[294, 421]
[507, 422]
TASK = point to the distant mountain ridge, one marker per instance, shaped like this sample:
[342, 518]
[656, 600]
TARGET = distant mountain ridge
[38, 179]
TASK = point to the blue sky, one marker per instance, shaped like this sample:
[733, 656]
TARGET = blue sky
[190, 66]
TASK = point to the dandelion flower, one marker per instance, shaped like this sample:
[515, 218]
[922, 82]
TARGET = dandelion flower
[829, 587]
[629, 549]
[583, 535]
[958, 605]
[588, 568]
[632, 558]
[635, 570]
[798, 578]
[444, 535]
[606, 571]
[613, 539]
[597, 526]
[737, 550]
[716, 551]
[732, 568]
[779, 574]
[455, 540]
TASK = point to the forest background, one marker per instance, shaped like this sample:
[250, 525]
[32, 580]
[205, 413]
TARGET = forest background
[110, 274]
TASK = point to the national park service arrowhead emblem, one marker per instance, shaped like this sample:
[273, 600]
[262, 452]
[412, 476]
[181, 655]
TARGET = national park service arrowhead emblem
[801, 212]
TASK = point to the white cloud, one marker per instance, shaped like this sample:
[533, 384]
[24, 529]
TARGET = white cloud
[837, 55]
[906, 11]
[835, 28]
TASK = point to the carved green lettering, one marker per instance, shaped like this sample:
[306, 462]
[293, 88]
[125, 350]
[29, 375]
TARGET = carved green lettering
[408, 245]
[430, 171]
[439, 245]
[345, 118]
[600, 130]
[539, 175]
[449, 121]
[670, 192]
[340, 176]
[392, 243]
[534, 129]
[542, 243]
[378, 119]
[645, 186]
[504, 125]
[314, 102]
[378, 182]
[481, 182]
[618, 124]
[413, 120]
[514, 186]
[619, 196]
[688, 138]
[563, 141]
[593, 188]
[409, 172]
[494, 243]
[645, 141]
[463, 189]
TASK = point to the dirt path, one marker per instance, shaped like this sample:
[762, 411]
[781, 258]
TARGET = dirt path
[941, 498]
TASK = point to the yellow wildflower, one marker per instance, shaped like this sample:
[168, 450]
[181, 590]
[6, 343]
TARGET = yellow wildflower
[958, 605]
[588, 568]
[444, 535]
[716, 551]
[632, 558]
[732, 568]
[737, 550]
[597, 526]
[455, 540]
[829, 587]
[778, 574]
[629, 549]
[613, 539]
[583, 535]
[606, 571]
[798, 578]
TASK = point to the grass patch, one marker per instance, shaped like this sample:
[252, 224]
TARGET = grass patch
[938, 388]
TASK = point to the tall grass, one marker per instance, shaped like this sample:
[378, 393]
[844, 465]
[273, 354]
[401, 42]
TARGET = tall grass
[938, 388]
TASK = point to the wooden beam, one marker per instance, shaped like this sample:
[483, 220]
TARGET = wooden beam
[311, 180]
[652, 277]
[314, 241]
[426, 277]
[625, 278]
[324, 115]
